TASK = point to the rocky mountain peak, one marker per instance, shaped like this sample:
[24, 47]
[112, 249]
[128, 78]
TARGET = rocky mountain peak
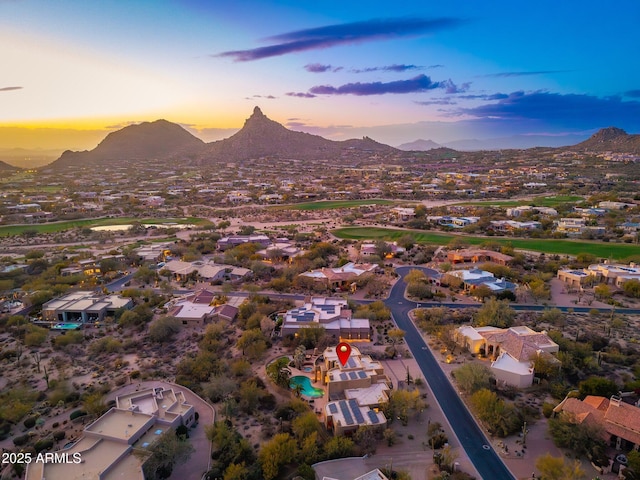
[607, 134]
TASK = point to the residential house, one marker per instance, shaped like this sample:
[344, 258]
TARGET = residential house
[83, 307]
[238, 273]
[208, 271]
[369, 249]
[615, 205]
[453, 222]
[518, 211]
[280, 249]
[575, 278]
[341, 277]
[106, 448]
[614, 274]
[512, 225]
[630, 227]
[331, 313]
[577, 226]
[193, 310]
[154, 252]
[404, 213]
[225, 312]
[356, 391]
[476, 255]
[474, 278]
[512, 350]
[619, 420]
[234, 240]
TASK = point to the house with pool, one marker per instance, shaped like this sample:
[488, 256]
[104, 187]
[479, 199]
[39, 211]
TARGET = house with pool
[83, 307]
[106, 449]
[356, 391]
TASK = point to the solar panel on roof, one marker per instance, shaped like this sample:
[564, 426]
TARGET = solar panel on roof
[351, 363]
[357, 413]
[362, 375]
[353, 375]
[346, 413]
[372, 416]
[343, 376]
[333, 408]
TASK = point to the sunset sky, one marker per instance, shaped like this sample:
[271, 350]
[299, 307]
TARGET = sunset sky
[396, 71]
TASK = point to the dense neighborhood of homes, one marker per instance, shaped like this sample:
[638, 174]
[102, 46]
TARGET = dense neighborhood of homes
[226, 261]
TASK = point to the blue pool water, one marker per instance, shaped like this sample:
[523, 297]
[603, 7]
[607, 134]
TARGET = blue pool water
[307, 389]
[66, 326]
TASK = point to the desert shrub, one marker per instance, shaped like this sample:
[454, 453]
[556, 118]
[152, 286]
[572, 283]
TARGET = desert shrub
[44, 444]
[547, 409]
[20, 440]
[59, 435]
[76, 414]
[29, 422]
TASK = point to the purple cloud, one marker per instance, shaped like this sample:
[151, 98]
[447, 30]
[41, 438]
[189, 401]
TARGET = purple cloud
[632, 93]
[570, 110]
[7, 89]
[442, 101]
[342, 34]
[522, 74]
[300, 94]
[317, 68]
[420, 83]
[494, 96]
[388, 68]
[452, 88]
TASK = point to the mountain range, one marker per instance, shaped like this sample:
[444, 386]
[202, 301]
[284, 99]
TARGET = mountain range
[263, 137]
[259, 137]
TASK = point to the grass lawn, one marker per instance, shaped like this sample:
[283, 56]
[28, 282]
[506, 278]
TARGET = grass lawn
[538, 201]
[617, 251]
[55, 227]
[330, 204]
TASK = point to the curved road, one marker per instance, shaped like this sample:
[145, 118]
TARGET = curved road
[472, 439]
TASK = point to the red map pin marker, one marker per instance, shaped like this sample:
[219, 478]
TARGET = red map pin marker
[344, 352]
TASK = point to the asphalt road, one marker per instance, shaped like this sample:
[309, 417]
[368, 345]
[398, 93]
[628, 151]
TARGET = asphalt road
[487, 462]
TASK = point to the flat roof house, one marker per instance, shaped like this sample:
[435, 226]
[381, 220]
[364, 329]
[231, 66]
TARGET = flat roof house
[83, 307]
[107, 445]
[356, 391]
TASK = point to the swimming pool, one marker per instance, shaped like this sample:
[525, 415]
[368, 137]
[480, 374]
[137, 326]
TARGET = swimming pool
[307, 389]
[66, 326]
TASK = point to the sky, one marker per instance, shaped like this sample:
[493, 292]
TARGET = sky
[73, 71]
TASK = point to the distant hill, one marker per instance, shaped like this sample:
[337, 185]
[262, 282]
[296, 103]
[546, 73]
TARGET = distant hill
[262, 137]
[419, 146]
[516, 142]
[611, 139]
[28, 158]
[149, 140]
[5, 168]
